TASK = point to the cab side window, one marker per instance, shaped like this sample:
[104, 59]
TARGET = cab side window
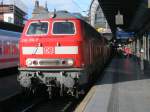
[38, 28]
[63, 28]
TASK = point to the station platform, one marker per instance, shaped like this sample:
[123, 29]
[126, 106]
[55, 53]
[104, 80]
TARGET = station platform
[124, 88]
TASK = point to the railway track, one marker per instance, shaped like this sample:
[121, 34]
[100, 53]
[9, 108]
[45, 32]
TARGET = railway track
[37, 103]
[8, 72]
[7, 102]
[18, 102]
[59, 104]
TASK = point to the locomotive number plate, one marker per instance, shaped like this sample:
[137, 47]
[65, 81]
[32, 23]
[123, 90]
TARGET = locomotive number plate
[49, 50]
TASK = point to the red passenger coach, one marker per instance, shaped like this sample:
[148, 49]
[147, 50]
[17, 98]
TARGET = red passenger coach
[60, 53]
[9, 49]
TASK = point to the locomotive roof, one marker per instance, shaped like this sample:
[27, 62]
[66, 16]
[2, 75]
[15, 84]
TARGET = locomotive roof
[58, 14]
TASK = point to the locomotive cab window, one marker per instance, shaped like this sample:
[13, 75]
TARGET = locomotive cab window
[38, 28]
[63, 28]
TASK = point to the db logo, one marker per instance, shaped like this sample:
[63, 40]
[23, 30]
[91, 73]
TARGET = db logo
[48, 50]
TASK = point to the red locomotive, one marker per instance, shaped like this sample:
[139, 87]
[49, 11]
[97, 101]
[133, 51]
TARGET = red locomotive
[62, 53]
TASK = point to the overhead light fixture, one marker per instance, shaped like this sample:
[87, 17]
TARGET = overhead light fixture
[119, 18]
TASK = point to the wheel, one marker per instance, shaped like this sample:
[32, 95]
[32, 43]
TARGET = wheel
[50, 92]
[61, 90]
[76, 94]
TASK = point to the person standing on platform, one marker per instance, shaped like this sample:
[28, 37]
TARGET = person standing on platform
[142, 59]
[138, 55]
[128, 51]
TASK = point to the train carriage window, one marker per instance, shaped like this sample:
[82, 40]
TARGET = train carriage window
[1, 48]
[10, 44]
[63, 28]
[6, 45]
[38, 28]
[13, 48]
[16, 51]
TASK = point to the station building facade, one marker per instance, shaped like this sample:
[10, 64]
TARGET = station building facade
[98, 20]
[12, 13]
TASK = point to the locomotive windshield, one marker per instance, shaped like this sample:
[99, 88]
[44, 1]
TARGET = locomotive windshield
[63, 28]
[38, 28]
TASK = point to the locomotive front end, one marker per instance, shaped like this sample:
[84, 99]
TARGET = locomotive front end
[51, 54]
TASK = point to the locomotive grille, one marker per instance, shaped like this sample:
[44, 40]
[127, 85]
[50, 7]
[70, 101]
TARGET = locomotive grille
[49, 62]
[32, 62]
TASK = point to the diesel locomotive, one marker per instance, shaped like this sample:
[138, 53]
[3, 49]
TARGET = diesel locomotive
[60, 52]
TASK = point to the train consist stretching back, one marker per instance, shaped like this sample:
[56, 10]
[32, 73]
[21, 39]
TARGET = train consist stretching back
[61, 53]
[9, 55]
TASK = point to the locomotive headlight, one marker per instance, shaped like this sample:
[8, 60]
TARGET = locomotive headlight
[28, 62]
[35, 62]
[70, 62]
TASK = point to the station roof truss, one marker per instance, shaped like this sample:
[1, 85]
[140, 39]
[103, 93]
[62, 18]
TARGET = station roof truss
[136, 14]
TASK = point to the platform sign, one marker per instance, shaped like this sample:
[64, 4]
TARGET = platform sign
[119, 19]
[124, 35]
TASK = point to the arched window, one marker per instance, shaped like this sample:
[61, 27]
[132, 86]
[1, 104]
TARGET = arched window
[100, 20]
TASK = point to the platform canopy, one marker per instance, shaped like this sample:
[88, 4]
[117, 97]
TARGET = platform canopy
[136, 14]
